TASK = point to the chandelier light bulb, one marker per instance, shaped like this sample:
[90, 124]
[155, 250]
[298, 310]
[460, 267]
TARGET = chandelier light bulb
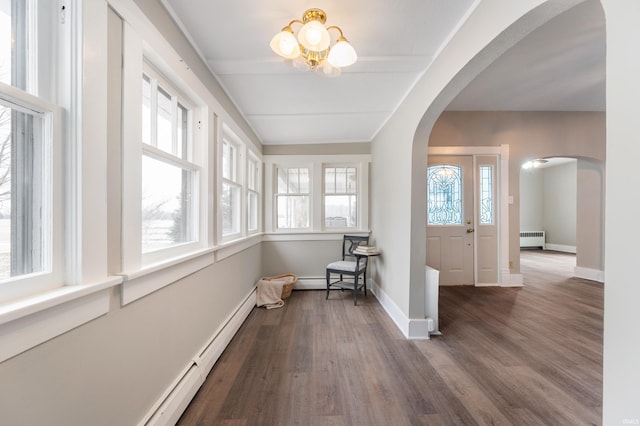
[285, 44]
[314, 36]
[342, 54]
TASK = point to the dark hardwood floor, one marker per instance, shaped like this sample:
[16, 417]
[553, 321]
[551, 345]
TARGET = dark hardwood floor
[508, 356]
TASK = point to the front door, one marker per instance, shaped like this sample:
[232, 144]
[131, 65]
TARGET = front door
[450, 213]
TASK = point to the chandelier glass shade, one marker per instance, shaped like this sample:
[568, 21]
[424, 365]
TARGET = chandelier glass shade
[312, 50]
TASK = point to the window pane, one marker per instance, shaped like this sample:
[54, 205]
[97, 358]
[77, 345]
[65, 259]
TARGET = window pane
[6, 38]
[486, 195]
[252, 214]
[444, 195]
[293, 211]
[293, 181]
[352, 180]
[230, 209]
[146, 110]
[228, 161]
[330, 180]
[182, 141]
[340, 211]
[167, 204]
[24, 185]
[341, 180]
[304, 180]
[164, 129]
[282, 181]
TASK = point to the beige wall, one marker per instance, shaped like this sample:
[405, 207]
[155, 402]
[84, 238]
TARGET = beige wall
[318, 149]
[532, 135]
[112, 370]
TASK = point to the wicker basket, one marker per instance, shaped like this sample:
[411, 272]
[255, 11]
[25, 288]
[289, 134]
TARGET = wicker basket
[289, 281]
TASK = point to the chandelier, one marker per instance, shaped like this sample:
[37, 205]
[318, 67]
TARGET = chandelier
[311, 51]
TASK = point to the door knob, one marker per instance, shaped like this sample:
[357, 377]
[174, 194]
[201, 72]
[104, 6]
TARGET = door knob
[470, 230]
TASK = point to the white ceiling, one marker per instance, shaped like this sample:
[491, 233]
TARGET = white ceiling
[559, 67]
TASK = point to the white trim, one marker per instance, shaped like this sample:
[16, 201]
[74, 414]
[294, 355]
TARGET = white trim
[28, 322]
[140, 283]
[417, 329]
[560, 247]
[311, 283]
[174, 400]
[589, 274]
[511, 280]
[309, 236]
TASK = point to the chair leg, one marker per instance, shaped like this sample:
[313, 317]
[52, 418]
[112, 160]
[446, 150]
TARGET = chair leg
[364, 281]
[328, 279]
[355, 290]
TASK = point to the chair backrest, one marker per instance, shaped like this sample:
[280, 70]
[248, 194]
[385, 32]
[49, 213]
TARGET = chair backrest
[350, 242]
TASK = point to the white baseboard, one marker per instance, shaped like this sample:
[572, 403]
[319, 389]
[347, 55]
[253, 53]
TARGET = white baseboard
[511, 280]
[410, 328]
[311, 283]
[589, 274]
[170, 406]
[560, 247]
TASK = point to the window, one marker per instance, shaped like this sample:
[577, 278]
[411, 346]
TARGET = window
[486, 195]
[316, 193]
[170, 176]
[340, 197]
[444, 195]
[292, 198]
[230, 199]
[253, 194]
[30, 167]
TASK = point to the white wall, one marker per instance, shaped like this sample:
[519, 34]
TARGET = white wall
[621, 292]
[531, 200]
[548, 199]
[560, 191]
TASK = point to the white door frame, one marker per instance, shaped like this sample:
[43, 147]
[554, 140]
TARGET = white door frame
[507, 279]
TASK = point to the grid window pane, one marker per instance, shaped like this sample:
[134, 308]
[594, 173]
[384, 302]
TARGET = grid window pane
[167, 204]
[340, 200]
[229, 161]
[292, 210]
[444, 195]
[24, 186]
[182, 140]
[486, 195]
[164, 128]
[146, 110]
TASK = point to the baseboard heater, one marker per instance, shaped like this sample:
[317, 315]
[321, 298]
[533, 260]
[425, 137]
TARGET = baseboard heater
[532, 239]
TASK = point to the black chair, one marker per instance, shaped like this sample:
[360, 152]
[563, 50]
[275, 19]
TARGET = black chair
[352, 265]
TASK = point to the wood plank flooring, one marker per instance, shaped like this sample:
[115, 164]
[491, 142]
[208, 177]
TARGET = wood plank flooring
[507, 356]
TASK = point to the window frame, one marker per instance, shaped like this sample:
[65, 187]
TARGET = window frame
[308, 194]
[230, 136]
[316, 165]
[139, 59]
[356, 193]
[254, 188]
[37, 94]
[52, 274]
[188, 162]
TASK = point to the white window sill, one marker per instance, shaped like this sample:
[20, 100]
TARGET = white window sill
[312, 235]
[30, 321]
